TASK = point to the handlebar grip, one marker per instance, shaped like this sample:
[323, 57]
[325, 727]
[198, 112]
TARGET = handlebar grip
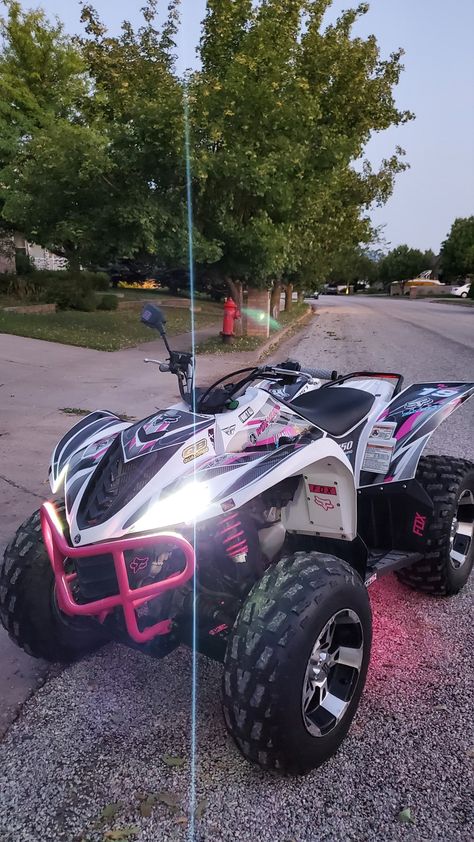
[320, 373]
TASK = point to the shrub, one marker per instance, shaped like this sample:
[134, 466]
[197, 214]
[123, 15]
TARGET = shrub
[49, 287]
[96, 280]
[471, 291]
[6, 280]
[108, 302]
[69, 297]
[21, 287]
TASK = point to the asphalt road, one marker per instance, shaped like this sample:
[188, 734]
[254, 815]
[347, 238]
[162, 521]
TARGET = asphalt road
[98, 732]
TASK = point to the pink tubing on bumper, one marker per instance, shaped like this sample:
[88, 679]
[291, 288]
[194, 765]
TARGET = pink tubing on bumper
[128, 599]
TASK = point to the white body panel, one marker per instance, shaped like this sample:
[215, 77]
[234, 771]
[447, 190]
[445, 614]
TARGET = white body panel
[202, 466]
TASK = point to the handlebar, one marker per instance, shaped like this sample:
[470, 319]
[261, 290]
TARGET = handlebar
[320, 373]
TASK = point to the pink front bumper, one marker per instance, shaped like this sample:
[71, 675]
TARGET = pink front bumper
[129, 599]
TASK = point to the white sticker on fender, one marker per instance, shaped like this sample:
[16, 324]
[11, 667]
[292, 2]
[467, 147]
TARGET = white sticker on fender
[378, 456]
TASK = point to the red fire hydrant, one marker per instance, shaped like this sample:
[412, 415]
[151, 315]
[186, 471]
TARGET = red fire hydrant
[231, 313]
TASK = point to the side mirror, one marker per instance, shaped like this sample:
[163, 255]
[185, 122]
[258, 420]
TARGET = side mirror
[152, 316]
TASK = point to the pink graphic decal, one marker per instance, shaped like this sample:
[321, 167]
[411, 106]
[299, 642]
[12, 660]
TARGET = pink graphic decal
[407, 426]
[327, 505]
[147, 446]
[100, 453]
[419, 524]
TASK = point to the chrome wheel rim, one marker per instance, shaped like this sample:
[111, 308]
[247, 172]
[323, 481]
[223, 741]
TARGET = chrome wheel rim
[462, 530]
[332, 672]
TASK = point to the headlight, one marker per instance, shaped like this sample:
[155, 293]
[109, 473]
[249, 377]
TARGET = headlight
[184, 506]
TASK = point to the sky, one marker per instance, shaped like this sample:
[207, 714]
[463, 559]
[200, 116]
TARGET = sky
[437, 85]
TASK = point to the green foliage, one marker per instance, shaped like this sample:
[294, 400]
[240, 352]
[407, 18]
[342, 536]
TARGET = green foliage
[106, 180]
[23, 263]
[403, 264]
[55, 287]
[99, 281]
[92, 138]
[108, 302]
[7, 280]
[42, 79]
[351, 265]
[457, 251]
[70, 297]
[282, 108]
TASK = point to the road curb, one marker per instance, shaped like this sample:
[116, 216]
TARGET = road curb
[273, 342]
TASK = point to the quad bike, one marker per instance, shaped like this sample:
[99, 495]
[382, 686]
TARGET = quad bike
[248, 520]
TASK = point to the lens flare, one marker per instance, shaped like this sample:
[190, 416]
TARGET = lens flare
[258, 317]
[189, 202]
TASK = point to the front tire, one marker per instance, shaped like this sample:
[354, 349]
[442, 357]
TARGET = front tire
[28, 608]
[449, 531]
[296, 663]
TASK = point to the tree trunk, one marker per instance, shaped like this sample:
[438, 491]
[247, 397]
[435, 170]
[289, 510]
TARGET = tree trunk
[288, 296]
[300, 296]
[275, 301]
[73, 259]
[236, 292]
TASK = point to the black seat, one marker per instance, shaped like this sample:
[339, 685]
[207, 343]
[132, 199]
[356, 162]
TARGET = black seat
[334, 409]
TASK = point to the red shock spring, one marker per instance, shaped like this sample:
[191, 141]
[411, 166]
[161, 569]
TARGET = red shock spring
[233, 536]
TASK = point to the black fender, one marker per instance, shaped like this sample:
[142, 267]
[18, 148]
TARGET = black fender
[95, 427]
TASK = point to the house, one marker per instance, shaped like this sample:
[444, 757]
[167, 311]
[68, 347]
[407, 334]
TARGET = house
[40, 257]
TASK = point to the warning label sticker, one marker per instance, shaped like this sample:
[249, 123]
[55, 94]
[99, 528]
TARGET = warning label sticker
[378, 456]
[383, 430]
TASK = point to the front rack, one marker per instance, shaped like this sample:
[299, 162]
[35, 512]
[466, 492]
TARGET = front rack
[129, 599]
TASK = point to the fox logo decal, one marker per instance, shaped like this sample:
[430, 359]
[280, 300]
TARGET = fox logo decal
[327, 505]
[139, 564]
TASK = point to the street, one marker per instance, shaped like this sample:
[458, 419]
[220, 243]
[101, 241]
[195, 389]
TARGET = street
[98, 733]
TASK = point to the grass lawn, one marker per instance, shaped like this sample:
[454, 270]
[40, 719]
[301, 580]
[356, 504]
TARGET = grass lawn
[454, 299]
[104, 331]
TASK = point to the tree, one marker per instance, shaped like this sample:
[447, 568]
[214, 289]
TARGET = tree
[42, 78]
[403, 263]
[280, 114]
[282, 108]
[107, 179]
[457, 251]
[352, 265]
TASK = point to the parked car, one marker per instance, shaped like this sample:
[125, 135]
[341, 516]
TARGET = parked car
[462, 291]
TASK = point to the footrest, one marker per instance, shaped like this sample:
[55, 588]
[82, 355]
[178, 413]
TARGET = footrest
[379, 565]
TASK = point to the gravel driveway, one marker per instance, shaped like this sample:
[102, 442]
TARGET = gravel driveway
[100, 733]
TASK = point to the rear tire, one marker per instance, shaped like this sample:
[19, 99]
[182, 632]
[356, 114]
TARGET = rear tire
[28, 608]
[281, 651]
[449, 549]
